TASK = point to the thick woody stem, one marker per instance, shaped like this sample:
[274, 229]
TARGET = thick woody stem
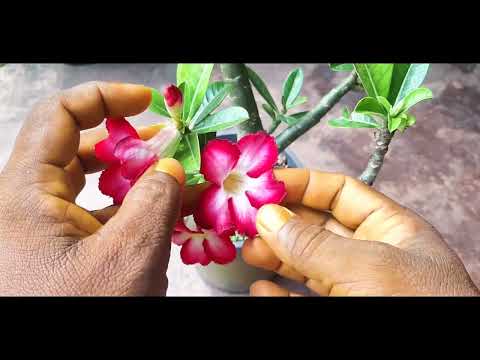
[382, 141]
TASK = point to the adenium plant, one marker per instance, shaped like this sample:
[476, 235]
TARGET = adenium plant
[240, 173]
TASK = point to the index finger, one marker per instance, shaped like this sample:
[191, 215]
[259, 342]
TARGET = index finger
[349, 200]
[51, 133]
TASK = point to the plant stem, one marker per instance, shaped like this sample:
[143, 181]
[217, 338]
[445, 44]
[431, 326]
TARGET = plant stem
[242, 95]
[313, 117]
[382, 141]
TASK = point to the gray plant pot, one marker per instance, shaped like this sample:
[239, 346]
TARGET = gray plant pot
[237, 276]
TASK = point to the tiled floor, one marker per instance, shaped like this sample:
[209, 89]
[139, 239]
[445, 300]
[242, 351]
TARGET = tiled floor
[433, 168]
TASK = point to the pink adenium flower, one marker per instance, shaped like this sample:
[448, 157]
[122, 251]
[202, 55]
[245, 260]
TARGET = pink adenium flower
[128, 156]
[173, 101]
[202, 245]
[242, 180]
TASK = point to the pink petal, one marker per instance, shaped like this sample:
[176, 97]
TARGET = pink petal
[219, 157]
[113, 184]
[265, 190]
[193, 252]
[244, 215]
[219, 248]
[173, 96]
[135, 157]
[212, 210]
[258, 153]
[181, 227]
[179, 238]
[118, 129]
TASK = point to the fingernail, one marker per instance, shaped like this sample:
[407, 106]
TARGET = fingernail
[271, 218]
[171, 167]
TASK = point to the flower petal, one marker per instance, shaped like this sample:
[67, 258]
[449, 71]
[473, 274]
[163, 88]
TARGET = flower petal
[179, 238]
[118, 129]
[219, 157]
[244, 215]
[135, 157]
[193, 252]
[219, 248]
[265, 190]
[113, 184]
[213, 211]
[258, 154]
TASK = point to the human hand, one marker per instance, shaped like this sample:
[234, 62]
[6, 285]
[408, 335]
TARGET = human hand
[341, 237]
[51, 246]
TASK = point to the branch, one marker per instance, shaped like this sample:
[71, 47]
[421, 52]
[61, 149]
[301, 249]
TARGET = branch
[382, 141]
[313, 117]
[274, 126]
[242, 95]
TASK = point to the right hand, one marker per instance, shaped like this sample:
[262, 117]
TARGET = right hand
[341, 237]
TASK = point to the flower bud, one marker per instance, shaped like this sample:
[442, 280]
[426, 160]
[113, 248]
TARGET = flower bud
[174, 102]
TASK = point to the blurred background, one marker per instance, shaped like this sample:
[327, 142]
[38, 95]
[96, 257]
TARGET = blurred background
[433, 168]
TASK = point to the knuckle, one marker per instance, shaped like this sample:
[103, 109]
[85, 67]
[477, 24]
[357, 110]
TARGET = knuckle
[303, 240]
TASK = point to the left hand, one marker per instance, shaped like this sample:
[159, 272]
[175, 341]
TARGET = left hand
[51, 246]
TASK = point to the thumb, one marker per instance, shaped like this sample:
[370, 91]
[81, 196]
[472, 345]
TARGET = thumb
[318, 254]
[137, 238]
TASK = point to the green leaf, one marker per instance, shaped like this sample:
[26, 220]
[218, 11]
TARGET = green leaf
[188, 153]
[387, 106]
[356, 121]
[394, 123]
[289, 120]
[298, 101]
[299, 114]
[375, 78]
[411, 99]
[261, 87]
[411, 120]
[216, 93]
[341, 67]
[405, 78]
[291, 87]
[157, 105]
[370, 106]
[221, 120]
[196, 77]
[194, 179]
[269, 110]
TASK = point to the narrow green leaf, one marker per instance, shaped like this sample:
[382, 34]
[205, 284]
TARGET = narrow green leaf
[299, 114]
[195, 77]
[269, 110]
[375, 78]
[386, 105]
[157, 105]
[292, 87]
[188, 153]
[221, 120]
[298, 101]
[370, 106]
[356, 121]
[261, 87]
[411, 99]
[405, 78]
[341, 67]
[194, 179]
[394, 123]
[215, 94]
[289, 120]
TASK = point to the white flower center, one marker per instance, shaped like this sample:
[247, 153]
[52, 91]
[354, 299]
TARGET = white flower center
[234, 184]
